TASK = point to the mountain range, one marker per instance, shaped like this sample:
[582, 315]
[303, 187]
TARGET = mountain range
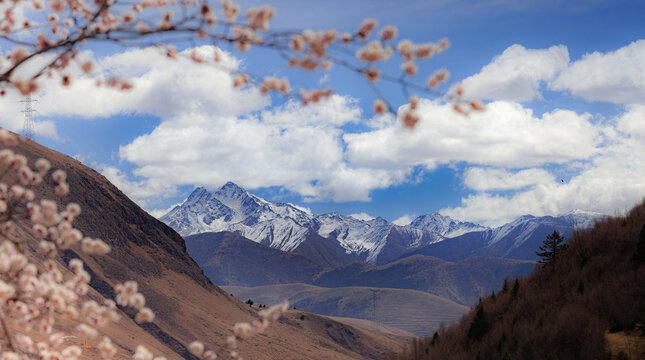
[333, 240]
[229, 259]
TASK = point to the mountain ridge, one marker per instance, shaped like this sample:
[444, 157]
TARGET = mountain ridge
[376, 241]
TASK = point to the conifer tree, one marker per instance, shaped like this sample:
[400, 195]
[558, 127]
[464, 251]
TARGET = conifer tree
[639, 256]
[550, 249]
[480, 325]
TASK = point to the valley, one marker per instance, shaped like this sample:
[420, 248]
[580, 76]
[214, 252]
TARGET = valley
[333, 264]
[416, 312]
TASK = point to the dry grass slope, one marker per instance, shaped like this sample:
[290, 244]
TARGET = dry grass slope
[414, 311]
[187, 304]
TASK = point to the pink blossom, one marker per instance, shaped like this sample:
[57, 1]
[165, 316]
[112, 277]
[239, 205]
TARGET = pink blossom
[372, 74]
[62, 189]
[410, 119]
[258, 17]
[410, 68]
[297, 43]
[380, 106]
[366, 28]
[42, 165]
[406, 49]
[240, 80]
[196, 348]
[373, 52]
[388, 33]
[59, 176]
[144, 315]
[230, 10]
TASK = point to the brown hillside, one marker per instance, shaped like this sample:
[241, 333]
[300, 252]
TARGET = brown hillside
[187, 304]
[411, 310]
[589, 303]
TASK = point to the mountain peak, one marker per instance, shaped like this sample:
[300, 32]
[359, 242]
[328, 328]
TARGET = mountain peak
[197, 194]
[231, 186]
[230, 190]
[580, 212]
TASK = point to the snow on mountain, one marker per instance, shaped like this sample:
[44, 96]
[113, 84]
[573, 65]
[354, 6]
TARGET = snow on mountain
[524, 227]
[285, 227]
[354, 235]
[232, 208]
[581, 219]
[444, 225]
[376, 241]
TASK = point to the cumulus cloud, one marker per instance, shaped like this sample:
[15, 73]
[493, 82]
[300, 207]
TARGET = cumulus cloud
[484, 179]
[298, 148]
[617, 76]
[611, 180]
[210, 134]
[162, 87]
[143, 192]
[305, 150]
[516, 74]
[506, 134]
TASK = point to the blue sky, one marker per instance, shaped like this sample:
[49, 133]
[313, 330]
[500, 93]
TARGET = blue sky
[564, 82]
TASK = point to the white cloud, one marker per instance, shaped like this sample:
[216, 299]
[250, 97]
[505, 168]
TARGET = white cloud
[162, 87]
[143, 192]
[304, 150]
[517, 73]
[336, 111]
[272, 149]
[404, 220]
[506, 134]
[161, 212]
[210, 134]
[485, 179]
[12, 117]
[611, 180]
[617, 76]
[362, 216]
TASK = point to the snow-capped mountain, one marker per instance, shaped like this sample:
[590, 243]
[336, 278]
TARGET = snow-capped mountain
[518, 239]
[231, 208]
[444, 225]
[284, 227]
[334, 239]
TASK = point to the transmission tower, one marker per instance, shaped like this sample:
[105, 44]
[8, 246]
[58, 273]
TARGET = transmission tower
[28, 126]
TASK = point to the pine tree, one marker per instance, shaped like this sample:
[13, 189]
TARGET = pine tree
[516, 287]
[639, 256]
[551, 248]
[480, 325]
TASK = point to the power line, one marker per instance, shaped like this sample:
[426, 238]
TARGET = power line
[28, 125]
